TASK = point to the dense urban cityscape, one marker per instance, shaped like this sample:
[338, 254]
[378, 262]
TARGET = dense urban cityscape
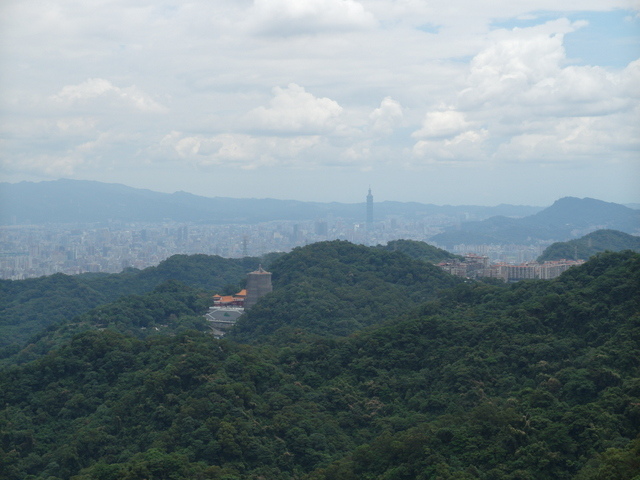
[28, 251]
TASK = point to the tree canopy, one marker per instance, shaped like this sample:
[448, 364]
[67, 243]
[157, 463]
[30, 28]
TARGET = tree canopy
[591, 244]
[534, 380]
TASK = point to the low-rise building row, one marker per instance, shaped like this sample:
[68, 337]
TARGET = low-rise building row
[478, 266]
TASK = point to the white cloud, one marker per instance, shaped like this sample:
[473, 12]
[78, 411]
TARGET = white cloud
[630, 80]
[445, 123]
[514, 61]
[579, 141]
[44, 164]
[519, 100]
[76, 125]
[294, 110]
[234, 150]
[113, 97]
[527, 69]
[291, 17]
[523, 102]
[388, 116]
[464, 147]
[84, 154]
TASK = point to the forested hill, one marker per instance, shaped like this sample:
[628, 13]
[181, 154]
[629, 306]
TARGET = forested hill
[591, 244]
[419, 250]
[535, 380]
[29, 306]
[336, 288]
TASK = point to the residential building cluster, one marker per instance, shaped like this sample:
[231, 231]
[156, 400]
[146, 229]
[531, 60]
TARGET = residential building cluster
[479, 266]
[509, 253]
[28, 251]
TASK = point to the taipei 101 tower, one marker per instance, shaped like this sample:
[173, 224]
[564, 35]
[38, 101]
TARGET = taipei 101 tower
[369, 211]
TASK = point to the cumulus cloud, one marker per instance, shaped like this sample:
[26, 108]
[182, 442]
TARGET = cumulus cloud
[528, 68]
[579, 141]
[295, 110]
[291, 17]
[445, 123]
[523, 101]
[514, 61]
[49, 165]
[98, 89]
[630, 81]
[234, 150]
[67, 158]
[520, 99]
[384, 119]
[466, 146]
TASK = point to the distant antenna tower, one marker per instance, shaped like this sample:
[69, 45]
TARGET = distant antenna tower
[245, 241]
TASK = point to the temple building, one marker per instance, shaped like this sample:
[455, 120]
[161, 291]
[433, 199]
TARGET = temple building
[227, 309]
[236, 300]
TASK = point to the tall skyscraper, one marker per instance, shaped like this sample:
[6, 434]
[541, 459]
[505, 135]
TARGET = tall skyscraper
[369, 210]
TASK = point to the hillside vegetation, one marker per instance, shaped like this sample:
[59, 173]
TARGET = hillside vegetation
[536, 380]
[27, 307]
[336, 288]
[419, 250]
[591, 244]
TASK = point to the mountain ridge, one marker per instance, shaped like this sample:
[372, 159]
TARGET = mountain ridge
[84, 201]
[565, 219]
[591, 244]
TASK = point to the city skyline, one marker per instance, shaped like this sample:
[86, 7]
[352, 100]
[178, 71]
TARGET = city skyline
[441, 102]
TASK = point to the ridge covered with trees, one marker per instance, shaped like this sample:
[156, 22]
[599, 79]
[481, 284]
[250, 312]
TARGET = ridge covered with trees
[419, 250]
[336, 288]
[535, 380]
[27, 307]
[591, 244]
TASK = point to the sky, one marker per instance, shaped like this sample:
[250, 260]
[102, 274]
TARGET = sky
[442, 101]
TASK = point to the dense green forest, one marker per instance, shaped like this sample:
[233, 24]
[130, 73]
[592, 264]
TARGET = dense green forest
[419, 250]
[533, 380]
[336, 288]
[591, 244]
[27, 307]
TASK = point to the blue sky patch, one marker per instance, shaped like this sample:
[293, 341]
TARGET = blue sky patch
[429, 28]
[611, 39]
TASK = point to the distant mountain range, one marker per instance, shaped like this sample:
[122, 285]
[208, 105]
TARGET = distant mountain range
[566, 219]
[80, 201]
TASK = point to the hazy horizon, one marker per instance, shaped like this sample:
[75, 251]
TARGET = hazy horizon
[361, 201]
[446, 103]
